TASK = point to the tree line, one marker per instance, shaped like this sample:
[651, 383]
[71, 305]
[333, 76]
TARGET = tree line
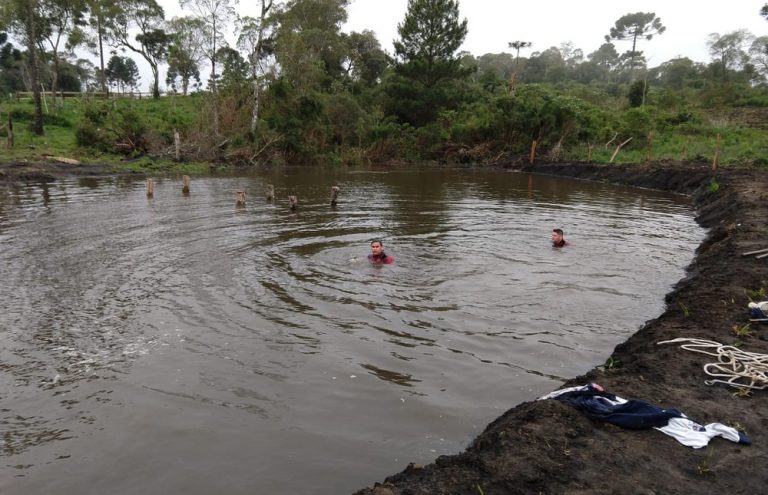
[295, 87]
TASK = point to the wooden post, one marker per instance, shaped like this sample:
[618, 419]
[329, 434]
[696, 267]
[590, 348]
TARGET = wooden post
[10, 131]
[150, 188]
[533, 152]
[334, 195]
[185, 184]
[618, 148]
[177, 144]
[649, 152]
[294, 201]
[270, 192]
[716, 160]
[240, 199]
[589, 152]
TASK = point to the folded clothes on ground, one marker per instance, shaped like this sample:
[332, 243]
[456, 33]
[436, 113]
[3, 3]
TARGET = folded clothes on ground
[595, 403]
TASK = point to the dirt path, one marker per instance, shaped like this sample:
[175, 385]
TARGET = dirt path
[549, 447]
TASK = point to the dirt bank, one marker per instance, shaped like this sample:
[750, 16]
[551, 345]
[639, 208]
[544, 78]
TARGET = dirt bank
[548, 447]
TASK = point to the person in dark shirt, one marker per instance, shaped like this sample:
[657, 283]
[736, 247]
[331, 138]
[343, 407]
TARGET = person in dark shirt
[558, 238]
[378, 256]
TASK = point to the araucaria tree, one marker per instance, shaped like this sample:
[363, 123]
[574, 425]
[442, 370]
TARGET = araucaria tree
[631, 27]
[427, 67]
[151, 41]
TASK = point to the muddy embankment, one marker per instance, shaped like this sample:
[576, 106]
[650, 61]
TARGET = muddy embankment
[549, 447]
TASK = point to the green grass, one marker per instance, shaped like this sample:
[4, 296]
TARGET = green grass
[60, 122]
[695, 140]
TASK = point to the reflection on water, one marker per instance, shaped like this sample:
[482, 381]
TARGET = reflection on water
[180, 344]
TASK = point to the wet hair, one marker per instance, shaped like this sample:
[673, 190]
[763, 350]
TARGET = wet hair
[375, 241]
[558, 231]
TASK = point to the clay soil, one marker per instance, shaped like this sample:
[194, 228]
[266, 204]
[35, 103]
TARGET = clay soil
[547, 447]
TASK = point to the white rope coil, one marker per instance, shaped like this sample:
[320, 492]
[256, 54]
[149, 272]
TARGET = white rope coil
[734, 367]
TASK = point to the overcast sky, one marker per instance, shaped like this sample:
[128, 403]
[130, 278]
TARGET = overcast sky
[492, 24]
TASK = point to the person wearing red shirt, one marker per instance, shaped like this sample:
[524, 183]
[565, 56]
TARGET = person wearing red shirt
[378, 256]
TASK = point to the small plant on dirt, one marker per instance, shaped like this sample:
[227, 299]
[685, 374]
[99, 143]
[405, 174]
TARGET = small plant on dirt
[738, 427]
[756, 294]
[566, 450]
[684, 309]
[703, 467]
[742, 330]
[743, 393]
[714, 186]
[612, 363]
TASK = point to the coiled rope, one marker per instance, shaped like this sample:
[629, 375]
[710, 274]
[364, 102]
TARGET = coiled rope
[734, 367]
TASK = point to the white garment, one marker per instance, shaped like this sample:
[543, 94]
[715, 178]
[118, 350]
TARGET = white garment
[692, 434]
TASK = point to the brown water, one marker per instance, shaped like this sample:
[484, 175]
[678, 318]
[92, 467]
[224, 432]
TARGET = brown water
[182, 345]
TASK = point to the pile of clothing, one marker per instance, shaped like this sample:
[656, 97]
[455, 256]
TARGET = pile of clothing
[597, 404]
[758, 311]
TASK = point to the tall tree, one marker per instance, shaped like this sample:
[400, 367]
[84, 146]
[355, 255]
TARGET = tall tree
[427, 64]
[185, 52]
[60, 18]
[23, 18]
[309, 45]
[122, 72]
[11, 62]
[366, 60]
[730, 50]
[216, 15]
[151, 42]
[252, 38]
[430, 36]
[632, 27]
[99, 12]
[758, 52]
[518, 45]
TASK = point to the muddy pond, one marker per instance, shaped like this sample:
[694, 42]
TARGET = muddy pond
[180, 344]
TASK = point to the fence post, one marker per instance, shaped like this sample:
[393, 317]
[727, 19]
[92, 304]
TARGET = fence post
[177, 143]
[10, 131]
[716, 160]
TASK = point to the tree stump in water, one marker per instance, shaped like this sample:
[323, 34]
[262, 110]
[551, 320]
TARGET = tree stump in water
[270, 192]
[240, 199]
[294, 201]
[185, 184]
[334, 195]
[150, 188]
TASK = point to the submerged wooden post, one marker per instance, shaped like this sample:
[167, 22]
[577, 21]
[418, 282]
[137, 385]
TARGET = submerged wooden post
[294, 201]
[240, 199]
[334, 195]
[150, 188]
[177, 144]
[533, 152]
[270, 192]
[716, 160]
[185, 184]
